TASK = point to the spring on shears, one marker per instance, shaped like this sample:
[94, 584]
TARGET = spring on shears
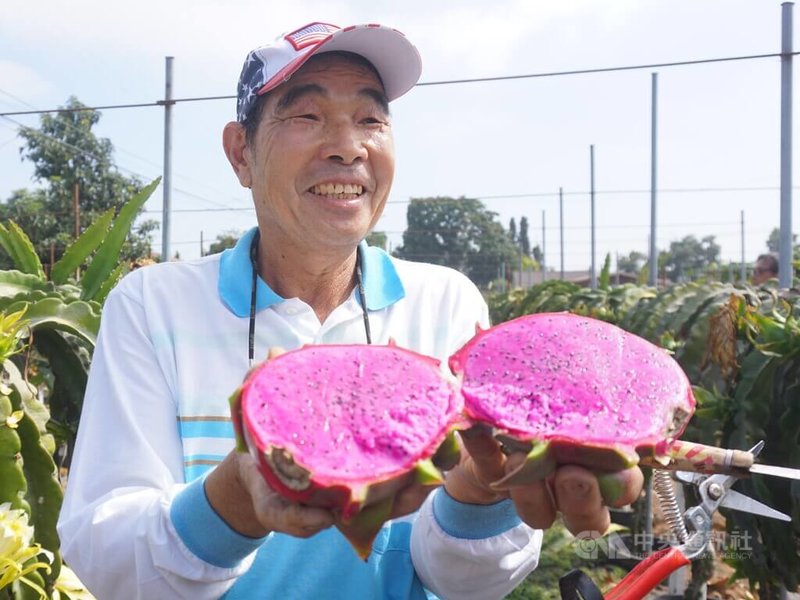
[662, 484]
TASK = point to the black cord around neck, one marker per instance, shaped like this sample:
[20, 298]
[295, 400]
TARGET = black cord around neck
[251, 338]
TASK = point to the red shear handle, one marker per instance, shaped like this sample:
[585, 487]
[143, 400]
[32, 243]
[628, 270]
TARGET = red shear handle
[648, 574]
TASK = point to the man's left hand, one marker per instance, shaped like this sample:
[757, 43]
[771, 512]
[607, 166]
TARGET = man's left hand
[578, 494]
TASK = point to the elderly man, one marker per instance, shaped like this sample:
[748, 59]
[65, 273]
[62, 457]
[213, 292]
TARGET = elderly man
[159, 505]
[766, 268]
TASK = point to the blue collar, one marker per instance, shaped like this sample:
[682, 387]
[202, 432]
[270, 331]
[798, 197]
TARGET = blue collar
[382, 285]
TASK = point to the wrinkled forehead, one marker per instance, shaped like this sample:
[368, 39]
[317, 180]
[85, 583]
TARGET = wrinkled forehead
[326, 62]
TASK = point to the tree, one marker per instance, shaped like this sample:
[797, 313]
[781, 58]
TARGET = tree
[65, 153]
[632, 263]
[524, 241]
[377, 238]
[537, 254]
[774, 242]
[691, 257]
[512, 230]
[460, 233]
[224, 241]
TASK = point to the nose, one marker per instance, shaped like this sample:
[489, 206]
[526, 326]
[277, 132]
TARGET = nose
[344, 143]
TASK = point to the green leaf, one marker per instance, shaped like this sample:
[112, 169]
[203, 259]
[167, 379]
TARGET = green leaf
[20, 249]
[82, 248]
[107, 256]
[16, 282]
[110, 282]
[69, 382]
[78, 318]
[44, 493]
[12, 479]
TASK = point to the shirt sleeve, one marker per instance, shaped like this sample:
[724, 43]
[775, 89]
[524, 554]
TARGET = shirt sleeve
[115, 524]
[466, 551]
[472, 552]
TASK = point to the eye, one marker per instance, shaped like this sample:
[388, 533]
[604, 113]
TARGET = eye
[306, 117]
[373, 121]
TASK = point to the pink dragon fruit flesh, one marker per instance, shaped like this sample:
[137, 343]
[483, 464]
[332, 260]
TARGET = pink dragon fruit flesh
[347, 427]
[572, 390]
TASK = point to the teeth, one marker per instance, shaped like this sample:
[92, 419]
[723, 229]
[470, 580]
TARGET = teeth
[331, 189]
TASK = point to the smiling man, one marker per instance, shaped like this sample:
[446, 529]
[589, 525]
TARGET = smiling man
[159, 505]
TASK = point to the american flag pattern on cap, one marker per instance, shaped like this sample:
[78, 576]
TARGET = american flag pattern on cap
[395, 59]
[310, 34]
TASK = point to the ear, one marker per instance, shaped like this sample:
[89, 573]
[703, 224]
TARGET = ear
[233, 141]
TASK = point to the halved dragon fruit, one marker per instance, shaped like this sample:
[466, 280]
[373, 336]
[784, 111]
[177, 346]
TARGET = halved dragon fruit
[347, 427]
[572, 390]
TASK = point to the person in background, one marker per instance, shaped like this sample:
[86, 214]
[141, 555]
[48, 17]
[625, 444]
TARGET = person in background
[766, 268]
[159, 504]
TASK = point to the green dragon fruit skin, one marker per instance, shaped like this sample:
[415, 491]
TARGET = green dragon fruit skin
[572, 390]
[346, 427]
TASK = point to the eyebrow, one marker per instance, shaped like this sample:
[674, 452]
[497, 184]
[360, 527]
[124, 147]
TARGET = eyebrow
[295, 94]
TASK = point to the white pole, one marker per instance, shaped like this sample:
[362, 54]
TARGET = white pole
[561, 227]
[785, 250]
[167, 180]
[593, 275]
[544, 250]
[743, 266]
[653, 277]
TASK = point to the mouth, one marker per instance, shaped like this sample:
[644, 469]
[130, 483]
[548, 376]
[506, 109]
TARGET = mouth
[338, 191]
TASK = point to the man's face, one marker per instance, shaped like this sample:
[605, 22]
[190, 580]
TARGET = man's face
[322, 160]
[762, 273]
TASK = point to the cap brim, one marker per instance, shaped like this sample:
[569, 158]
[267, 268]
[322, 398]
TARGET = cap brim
[395, 58]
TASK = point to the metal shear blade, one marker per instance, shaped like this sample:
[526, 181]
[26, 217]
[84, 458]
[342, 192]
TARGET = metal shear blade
[715, 491]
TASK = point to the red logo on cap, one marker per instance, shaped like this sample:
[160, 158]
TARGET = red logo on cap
[310, 35]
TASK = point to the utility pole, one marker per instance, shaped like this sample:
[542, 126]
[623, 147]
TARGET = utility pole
[653, 275]
[561, 227]
[593, 275]
[76, 208]
[785, 248]
[167, 181]
[544, 251]
[743, 266]
[202, 249]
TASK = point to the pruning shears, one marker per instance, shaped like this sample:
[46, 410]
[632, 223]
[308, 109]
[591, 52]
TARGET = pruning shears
[692, 529]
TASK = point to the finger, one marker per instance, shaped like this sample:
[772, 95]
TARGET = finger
[488, 459]
[578, 498]
[278, 513]
[534, 503]
[621, 488]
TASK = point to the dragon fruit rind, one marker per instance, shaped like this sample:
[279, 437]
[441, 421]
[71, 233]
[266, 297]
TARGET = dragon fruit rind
[347, 427]
[572, 390]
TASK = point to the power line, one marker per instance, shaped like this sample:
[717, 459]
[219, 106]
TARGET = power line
[116, 149]
[426, 83]
[606, 69]
[88, 154]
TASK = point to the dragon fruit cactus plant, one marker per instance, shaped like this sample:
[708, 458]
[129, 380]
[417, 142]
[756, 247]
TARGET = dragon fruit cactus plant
[572, 390]
[348, 427]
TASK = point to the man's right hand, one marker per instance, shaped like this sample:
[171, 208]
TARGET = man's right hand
[239, 494]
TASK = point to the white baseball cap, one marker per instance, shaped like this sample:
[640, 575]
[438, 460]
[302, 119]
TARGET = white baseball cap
[395, 58]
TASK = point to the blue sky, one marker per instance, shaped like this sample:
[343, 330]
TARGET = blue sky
[718, 123]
